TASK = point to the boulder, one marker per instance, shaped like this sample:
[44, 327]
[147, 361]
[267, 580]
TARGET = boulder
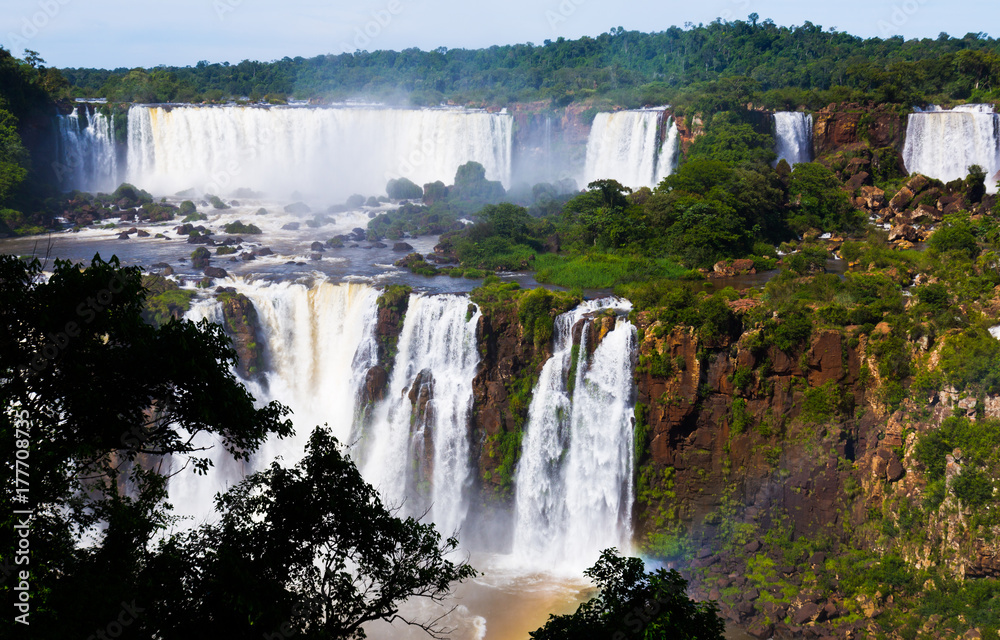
[216, 272]
[894, 469]
[297, 207]
[903, 232]
[291, 226]
[917, 183]
[808, 612]
[858, 180]
[926, 214]
[902, 198]
[402, 246]
[317, 247]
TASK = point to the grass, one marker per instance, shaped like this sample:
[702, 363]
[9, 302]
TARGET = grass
[601, 270]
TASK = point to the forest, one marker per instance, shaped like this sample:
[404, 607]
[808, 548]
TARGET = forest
[802, 65]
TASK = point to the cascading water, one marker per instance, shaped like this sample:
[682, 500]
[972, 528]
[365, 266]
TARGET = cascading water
[574, 479]
[793, 136]
[284, 149]
[669, 153]
[319, 342]
[944, 144]
[86, 151]
[625, 146]
[417, 446]
[574, 482]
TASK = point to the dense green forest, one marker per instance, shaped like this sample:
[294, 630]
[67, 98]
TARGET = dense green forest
[27, 91]
[791, 65]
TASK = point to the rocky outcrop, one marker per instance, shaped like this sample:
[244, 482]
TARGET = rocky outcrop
[392, 305]
[242, 326]
[842, 126]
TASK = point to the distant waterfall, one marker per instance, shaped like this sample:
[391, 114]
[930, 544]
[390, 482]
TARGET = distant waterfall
[574, 481]
[86, 154]
[793, 136]
[330, 152]
[944, 144]
[417, 446]
[625, 146]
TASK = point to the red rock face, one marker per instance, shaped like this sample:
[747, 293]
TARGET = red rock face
[845, 126]
[690, 418]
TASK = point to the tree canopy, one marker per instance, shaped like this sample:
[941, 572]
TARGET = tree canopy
[634, 603]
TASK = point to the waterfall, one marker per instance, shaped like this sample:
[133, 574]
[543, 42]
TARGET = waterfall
[319, 342]
[574, 480]
[669, 154]
[86, 151]
[330, 152]
[417, 448]
[944, 144]
[625, 146]
[793, 136]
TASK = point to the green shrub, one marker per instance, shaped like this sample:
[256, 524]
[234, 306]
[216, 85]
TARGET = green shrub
[200, 258]
[971, 359]
[601, 270]
[216, 201]
[238, 228]
[741, 418]
[820, 404]
[954, 236]
[793, 330]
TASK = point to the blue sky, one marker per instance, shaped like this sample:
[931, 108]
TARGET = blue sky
[130, 33]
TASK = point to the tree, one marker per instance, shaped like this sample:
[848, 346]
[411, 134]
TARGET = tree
[101, 402]
[403, 189]
[13, 157]
[822, 203]
[635, 604]
[320, 572]
[507, 220]
[471, 185]
[975, 184]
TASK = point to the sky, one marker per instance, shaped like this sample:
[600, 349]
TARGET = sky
[133, 33]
